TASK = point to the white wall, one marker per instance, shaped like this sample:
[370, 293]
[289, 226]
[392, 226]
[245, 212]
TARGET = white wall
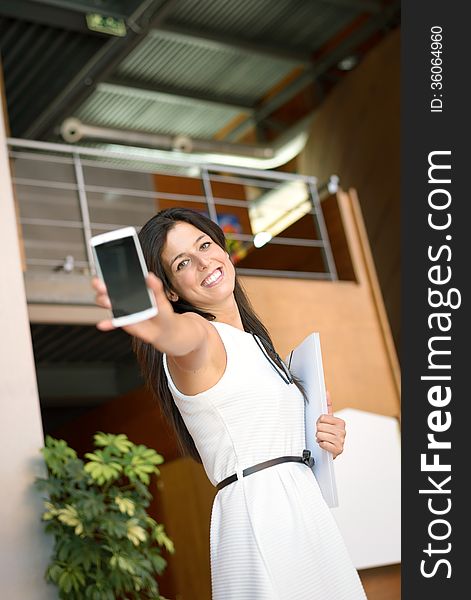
[368, 476]
[24, 548]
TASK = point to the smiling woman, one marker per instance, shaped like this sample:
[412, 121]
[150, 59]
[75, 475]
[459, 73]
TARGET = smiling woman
[236, 408]
[201, 267]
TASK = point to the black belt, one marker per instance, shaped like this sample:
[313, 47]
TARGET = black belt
[306, 458]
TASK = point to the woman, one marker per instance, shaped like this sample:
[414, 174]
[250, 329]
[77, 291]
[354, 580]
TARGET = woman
[234, 405]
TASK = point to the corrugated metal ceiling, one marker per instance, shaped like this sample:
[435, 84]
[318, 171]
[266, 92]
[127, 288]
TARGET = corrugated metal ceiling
[111, 106]
[38, 61]
[234, 51]
[295, 23]
[202, 66]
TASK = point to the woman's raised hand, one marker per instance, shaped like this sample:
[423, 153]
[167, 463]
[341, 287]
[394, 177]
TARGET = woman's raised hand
[150, 329]
[330, 431]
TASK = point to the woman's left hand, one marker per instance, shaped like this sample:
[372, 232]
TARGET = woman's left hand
[330, 431]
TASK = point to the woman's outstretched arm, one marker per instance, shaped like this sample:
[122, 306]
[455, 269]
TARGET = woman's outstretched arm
[178, 335]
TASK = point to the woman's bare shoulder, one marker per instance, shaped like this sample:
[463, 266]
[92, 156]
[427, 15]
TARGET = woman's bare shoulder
[209, 352]
[203, 367]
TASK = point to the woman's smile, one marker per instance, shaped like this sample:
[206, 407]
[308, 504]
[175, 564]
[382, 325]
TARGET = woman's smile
[214, 278]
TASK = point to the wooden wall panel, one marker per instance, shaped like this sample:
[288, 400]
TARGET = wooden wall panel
[186, 497]
[382, 583]
[355, 135]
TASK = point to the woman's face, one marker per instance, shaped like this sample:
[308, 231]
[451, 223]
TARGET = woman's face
[199, 270]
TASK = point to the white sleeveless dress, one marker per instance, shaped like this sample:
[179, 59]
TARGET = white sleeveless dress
[272, 535]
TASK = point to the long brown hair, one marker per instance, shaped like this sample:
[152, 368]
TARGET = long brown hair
[153, 236]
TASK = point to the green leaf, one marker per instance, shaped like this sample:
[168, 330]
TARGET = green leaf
[125, 505]
[118, 443]
[102, 468]
[91, 503]
[140, 462]
[65, 582]
[162, 539]
[69, 516]
[74, 471]
[135, 533]
[57, 454]
[115, 525]
[158, 562]
[53, 572]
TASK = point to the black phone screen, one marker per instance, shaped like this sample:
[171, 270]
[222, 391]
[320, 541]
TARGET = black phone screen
[123, 277]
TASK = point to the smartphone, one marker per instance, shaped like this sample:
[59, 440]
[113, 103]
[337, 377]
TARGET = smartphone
[120, 264]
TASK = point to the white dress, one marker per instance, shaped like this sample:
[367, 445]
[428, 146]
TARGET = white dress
[272, 535]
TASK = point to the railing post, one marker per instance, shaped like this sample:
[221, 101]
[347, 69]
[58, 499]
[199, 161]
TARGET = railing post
[319, 224]
[87, 229]
[209, 195]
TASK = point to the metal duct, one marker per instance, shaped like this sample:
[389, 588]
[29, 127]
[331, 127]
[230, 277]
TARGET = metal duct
[194, 150]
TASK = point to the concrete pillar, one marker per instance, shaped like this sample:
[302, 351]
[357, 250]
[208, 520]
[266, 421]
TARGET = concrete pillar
[24, 548]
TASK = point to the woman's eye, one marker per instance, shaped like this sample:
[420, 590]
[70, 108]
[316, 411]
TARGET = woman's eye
[205, 245]
[182, 264]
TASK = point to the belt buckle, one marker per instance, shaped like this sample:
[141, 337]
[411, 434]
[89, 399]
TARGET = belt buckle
[307, 458]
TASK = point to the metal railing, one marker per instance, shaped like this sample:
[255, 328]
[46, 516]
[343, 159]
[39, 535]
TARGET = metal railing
[67, 193]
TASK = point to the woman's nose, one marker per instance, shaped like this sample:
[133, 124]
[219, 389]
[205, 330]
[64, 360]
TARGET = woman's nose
[203, 262]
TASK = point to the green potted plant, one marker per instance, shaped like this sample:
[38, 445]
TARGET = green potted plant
[106, 545]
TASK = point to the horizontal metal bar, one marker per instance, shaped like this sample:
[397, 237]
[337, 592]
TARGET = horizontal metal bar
[45, 183]
[245, 181]
[51, 223]
[275, 175]
[84, 151]
[94, 164]
[283, 241]
[36, 156]
[41, 157]
[54, 244]
[49, 262]
[59, 201]
[111, 226]
[143, 193]
[150, 168]
[118, 205]
[287, 274]
[140, 193]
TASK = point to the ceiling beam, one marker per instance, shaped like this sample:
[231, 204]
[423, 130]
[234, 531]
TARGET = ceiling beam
[33, 12]
[140, 88]
[222, 41]
[149, 14]
[120, 9]
[349, 45]
[369, 6]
